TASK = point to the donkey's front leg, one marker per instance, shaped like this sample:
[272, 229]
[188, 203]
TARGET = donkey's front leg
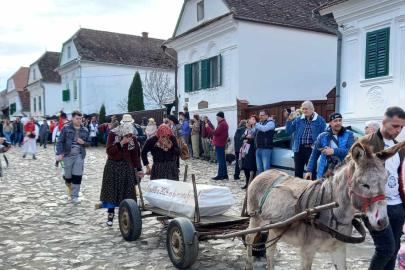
[339, 258]
[271, 250]
[307, 257]
[254, 222]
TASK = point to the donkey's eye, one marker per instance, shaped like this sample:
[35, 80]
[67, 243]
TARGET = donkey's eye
[366, 186]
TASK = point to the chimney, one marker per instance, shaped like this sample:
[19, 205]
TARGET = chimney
[145, 34]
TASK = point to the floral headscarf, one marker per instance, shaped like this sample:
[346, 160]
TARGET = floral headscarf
[121, 131]
[163, 134]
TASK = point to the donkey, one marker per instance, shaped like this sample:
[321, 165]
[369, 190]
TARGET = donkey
[358, 185]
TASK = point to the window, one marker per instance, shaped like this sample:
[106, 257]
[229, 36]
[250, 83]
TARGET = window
[66, 94]
[35, 104]
[203, 74]
[75, 90]
[200, 10]
[215, 71]
[69, 52]
[196, 76]
[377, 53]
[13, 108]
[39, 104]
[34, 74]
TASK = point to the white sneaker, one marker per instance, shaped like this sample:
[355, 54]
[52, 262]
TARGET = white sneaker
[76, 200]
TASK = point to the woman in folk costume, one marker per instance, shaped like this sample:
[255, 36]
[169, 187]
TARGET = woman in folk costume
[123, 169]
[165, 153]
[30, 140]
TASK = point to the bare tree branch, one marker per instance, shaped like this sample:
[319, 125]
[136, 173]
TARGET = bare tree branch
[123, 104]
[158, 88]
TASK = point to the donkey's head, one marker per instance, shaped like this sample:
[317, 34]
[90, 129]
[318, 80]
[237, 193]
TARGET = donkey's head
[367, 182]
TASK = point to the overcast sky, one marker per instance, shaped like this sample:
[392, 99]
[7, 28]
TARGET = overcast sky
[28, 28]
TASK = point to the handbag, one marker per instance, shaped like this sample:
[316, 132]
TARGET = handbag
[184, 154]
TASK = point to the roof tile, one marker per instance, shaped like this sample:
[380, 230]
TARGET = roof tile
[109, 47]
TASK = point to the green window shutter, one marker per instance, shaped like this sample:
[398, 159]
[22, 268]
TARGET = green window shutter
[377, 53]
[205, 74]
[188, 82]
[220, 70]
[66, 95]
[13, 108]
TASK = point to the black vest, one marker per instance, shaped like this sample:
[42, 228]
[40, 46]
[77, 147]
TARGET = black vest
[264, 139]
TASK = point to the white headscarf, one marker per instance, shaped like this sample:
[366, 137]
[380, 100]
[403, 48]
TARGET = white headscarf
[122, 130]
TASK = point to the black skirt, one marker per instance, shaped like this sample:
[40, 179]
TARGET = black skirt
[249, 161]
[119, 182]
[165, 170]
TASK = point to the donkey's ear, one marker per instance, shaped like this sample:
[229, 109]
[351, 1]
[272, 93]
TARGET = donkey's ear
[389, 152]
[358, 152]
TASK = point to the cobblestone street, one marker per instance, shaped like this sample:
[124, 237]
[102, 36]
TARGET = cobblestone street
[40, 230]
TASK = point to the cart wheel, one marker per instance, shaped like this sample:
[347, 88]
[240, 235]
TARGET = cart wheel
[182, 243]
[130, 220]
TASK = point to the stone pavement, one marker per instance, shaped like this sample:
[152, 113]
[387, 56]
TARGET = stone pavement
[40, 230]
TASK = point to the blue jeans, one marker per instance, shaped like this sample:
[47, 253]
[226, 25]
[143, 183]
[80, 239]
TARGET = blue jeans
[263, 159]
[387, 242]
[8, 136]
[220, 153]
[18, 136]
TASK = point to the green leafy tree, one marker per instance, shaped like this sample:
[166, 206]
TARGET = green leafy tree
[135, 95]
[101, 117]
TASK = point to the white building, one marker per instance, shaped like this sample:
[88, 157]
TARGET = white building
[260, 51]
[373, 57]
[97, 67]
[44, 85]
[17, 95]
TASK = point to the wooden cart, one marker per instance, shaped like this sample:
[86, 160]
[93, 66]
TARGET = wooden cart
[183, 233]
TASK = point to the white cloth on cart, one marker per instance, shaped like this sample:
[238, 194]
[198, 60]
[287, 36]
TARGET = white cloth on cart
[178, 197]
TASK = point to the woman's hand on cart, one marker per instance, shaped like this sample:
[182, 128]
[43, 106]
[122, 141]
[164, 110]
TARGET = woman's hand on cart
[148, 170]
[140, 174]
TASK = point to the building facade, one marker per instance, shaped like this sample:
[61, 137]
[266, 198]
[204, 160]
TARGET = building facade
[97, 67]
[373, 57]
[17, 94]
[229, 50]
[44, 85]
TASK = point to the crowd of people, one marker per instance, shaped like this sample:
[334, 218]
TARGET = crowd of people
[318, 146]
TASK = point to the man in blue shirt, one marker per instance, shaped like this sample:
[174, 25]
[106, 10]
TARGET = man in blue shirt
[186, 131]
[332, 145]
[264, 141]
[306, 128]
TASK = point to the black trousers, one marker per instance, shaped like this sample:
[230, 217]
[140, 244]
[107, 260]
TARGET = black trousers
[301, 158]
[94, 141]
[388, 241]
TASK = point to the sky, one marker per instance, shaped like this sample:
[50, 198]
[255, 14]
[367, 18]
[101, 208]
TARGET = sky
[28, 28]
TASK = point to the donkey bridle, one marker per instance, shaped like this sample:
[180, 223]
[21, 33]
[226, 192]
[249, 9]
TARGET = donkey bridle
[366, 201]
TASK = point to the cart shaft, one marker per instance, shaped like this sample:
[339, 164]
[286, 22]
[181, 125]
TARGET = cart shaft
[267, 227]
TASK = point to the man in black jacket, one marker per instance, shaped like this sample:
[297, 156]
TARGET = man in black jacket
[264, 141]
[238, 144]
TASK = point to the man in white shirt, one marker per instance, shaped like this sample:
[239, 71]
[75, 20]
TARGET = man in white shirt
[387, 242]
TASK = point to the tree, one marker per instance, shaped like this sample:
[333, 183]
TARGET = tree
[135, 95]
[158, 88]
[123, 104]
[101, 117]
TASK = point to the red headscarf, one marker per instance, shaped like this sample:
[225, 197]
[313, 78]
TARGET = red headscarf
[163, 134]
[164, 131]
